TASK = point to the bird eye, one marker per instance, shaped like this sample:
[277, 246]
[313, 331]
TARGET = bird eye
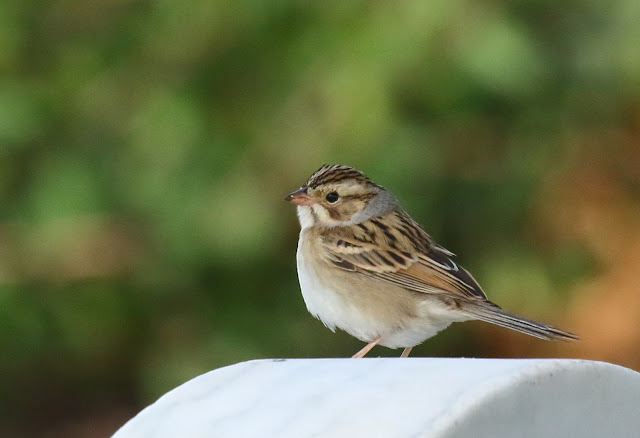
[332, 197]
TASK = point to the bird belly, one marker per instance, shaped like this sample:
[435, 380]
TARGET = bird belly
[367, 309]
[332, 307]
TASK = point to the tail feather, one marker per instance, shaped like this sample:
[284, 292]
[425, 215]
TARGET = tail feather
[496, 315]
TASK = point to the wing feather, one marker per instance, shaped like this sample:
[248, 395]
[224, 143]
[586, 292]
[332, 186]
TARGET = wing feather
[397, 249]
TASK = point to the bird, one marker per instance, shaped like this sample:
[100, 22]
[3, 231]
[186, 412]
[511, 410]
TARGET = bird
[365, 266]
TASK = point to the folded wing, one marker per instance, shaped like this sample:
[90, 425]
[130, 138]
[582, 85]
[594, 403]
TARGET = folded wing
[396, 249]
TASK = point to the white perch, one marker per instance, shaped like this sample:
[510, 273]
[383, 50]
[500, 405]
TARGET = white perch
[399, 398]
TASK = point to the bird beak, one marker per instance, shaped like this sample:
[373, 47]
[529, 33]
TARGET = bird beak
[299, 197]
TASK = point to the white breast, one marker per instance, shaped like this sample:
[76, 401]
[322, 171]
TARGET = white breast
[329, 306]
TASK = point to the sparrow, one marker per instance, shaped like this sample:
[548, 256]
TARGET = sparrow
[366, 267]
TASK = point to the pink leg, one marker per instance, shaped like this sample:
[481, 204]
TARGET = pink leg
[366, 348]
[406, 351]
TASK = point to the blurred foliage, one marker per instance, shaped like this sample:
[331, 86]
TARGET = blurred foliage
[145, 147]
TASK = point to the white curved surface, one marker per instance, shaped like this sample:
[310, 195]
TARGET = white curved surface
[415, 397]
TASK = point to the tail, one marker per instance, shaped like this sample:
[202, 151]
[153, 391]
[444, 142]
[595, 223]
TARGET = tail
[495, 315]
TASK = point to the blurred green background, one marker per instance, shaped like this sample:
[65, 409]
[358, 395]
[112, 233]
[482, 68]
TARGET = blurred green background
[145, 147]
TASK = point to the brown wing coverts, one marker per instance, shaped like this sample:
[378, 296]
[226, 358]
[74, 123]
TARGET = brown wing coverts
[397, 249]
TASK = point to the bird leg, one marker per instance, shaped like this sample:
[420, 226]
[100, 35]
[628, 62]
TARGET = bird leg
[366, 348]
[406, 351]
